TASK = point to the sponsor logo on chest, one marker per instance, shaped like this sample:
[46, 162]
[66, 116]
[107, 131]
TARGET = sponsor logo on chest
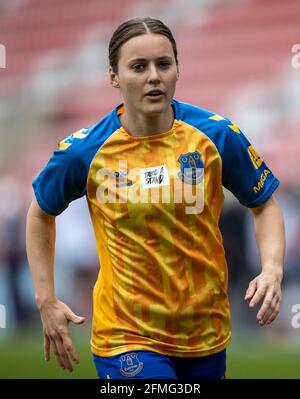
[155, 176]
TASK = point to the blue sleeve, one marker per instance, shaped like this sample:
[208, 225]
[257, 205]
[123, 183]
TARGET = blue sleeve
[245, 173]
[61, 181]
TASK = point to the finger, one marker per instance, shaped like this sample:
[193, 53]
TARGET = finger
[74, 318]
[259, 294]
[251, 290]
[46, 348]
[70, 348]
[266, 305]
[267, 314]
[270, 310]
[273, 311]
[273, 316]
[59, 352]
[63, 354]
[55, 351]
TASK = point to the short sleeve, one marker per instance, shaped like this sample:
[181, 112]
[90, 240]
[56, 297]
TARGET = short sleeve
[62, 180]
[245, 173]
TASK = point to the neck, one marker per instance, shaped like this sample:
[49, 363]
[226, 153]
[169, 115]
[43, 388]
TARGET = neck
[144, 125]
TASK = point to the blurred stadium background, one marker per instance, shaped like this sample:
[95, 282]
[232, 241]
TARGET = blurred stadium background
[235, 59]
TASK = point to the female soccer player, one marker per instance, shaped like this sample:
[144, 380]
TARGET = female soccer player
[152, 172]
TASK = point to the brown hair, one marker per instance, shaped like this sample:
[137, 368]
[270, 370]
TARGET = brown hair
[136, 27]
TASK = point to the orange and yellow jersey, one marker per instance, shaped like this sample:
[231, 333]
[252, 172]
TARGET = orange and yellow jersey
[155, 204]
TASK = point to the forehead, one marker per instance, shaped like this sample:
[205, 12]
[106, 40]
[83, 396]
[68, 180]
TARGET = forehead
[148, 46]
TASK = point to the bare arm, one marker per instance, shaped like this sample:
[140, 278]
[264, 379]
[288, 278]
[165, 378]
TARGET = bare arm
[270, 238]
[55, 315]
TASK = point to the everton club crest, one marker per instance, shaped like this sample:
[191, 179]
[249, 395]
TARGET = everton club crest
[191, 167]
[130, 364]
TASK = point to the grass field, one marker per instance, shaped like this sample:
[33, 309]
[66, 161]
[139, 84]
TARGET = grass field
[22, 357]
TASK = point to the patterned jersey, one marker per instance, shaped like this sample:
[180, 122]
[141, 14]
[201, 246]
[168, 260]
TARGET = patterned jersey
[155, 203]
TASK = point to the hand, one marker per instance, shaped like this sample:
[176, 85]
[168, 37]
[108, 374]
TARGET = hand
[267, 287]
[55, 317]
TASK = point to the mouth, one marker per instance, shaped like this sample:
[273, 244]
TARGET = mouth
[154, 94]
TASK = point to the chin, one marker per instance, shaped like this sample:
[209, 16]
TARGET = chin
[155, 108]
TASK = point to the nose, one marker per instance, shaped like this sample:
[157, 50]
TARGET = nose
[153, 76]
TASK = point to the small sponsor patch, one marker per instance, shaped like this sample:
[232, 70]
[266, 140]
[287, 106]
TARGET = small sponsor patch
[255, 157]
[155, 176]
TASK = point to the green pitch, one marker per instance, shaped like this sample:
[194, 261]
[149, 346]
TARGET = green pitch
[22, 357]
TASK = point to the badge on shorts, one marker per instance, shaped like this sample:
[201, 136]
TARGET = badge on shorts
[130, 365]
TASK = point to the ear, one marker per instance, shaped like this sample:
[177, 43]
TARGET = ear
[177, 73]
[114, 81]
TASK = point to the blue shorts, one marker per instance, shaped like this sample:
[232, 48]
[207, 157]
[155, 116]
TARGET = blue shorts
[143, 364]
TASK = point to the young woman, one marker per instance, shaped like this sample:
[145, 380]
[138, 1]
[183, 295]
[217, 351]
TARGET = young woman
[152, 172]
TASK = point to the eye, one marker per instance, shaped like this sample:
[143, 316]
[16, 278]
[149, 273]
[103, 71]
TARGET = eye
[164, 64]
[138, 67]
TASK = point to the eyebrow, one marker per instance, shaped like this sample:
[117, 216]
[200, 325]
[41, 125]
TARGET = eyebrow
[165, 57]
